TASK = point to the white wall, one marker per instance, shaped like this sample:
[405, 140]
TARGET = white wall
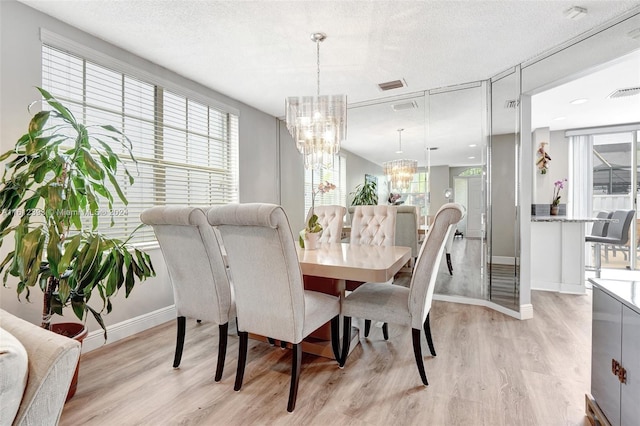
[20, 72]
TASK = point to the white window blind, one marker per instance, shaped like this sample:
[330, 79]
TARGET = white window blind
[336, 175]
[186, 151]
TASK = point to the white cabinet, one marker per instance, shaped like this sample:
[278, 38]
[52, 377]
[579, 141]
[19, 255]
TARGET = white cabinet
[615, 362]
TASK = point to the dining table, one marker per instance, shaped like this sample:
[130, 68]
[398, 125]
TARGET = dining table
[327, 268]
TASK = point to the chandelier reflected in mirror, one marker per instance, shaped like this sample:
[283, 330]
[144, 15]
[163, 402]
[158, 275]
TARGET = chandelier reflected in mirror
[400, 172]
[318, 124]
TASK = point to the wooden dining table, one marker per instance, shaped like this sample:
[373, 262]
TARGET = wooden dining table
[327, 268]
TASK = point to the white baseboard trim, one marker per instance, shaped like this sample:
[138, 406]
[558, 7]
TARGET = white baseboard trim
[526, 311]
[127, 328]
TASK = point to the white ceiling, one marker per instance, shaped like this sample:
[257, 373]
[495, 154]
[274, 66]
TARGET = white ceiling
[259, 52]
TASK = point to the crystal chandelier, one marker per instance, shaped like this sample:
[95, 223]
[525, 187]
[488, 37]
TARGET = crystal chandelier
[400, 172]
[317, 123]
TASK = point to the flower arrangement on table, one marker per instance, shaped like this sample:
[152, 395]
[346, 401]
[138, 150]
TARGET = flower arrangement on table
[543, 159]
[558, 185]
[313, 226]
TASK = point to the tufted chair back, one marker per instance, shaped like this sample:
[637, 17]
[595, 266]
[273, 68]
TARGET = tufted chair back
[331, 219]
[374, 225]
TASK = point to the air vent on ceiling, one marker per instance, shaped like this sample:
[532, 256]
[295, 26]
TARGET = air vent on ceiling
[390, 85]
[404, 106]
[511, 104]
[623, 93]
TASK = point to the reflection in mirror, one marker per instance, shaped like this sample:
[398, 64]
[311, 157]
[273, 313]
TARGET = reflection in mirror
[456, 139]
[504, 239]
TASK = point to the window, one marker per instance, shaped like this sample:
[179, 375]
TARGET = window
[186, 151]
[336, 175]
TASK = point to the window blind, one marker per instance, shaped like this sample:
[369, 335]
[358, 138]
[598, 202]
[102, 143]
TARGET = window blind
[186, 151]
[336, 175]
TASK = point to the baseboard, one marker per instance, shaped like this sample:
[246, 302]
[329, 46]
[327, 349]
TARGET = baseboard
[127, 328]
[526, 311]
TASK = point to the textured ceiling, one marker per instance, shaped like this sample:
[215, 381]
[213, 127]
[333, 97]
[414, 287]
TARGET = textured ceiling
[259, 52]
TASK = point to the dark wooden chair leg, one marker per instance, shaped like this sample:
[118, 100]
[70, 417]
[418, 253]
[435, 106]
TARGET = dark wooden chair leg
[385, 331]
[417, 351]
[199, 321]
[427, 333]
[271, 341]
[223, 329]
[449, 265]
[295, 376]
[335, 337]
[242, 359]
[283, 344]
[367, 327]
[182, 326]
[346, 340]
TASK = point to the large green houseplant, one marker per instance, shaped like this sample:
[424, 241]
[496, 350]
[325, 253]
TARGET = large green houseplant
[365, 194]
[55, 176]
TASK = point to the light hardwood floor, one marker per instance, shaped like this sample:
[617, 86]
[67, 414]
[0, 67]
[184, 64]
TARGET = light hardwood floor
[490, 370]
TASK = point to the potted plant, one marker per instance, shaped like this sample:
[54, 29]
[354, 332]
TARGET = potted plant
[310, 235]
[365, 194]
[55, 175]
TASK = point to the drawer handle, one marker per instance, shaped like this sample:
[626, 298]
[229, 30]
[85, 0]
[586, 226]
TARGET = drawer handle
[615, 368]
[622, 375]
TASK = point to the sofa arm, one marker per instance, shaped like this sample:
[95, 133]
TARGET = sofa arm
[52, 362]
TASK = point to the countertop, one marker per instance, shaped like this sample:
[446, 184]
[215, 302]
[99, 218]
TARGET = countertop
[626, 292]
[568, 219]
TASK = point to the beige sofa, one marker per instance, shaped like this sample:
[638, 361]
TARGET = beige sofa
[36, 368]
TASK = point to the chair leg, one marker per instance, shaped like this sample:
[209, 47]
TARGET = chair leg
[242, 359]
[385, 331]
[223, 329]
[427, 333]
[449, 265]
[182, 326]
[367, 327]
[335, 337]
[346, 340]
[271, 341]
[295, 376]
[417, 351]
[283, 344]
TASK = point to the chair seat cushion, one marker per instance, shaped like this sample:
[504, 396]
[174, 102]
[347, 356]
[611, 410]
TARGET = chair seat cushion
[13, 375]
[379, 302]
[319, 308]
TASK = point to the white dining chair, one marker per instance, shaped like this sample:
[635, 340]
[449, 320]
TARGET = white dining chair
[407, 229]
[401, 305]
[198, 274]
[270, 297]
[376, 226]
[331, 218]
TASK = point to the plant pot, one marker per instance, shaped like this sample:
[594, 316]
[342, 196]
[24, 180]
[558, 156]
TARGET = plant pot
[554, 210]
[311, 240]
[77, 332]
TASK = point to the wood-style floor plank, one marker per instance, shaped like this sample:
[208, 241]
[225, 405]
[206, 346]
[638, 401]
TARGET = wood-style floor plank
[490, 370]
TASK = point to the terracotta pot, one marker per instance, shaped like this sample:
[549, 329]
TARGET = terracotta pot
[75, 331]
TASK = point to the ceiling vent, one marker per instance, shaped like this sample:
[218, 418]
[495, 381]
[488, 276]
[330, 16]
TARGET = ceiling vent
[390, 85]
[623, 93]
[511, 104]
[404, 106]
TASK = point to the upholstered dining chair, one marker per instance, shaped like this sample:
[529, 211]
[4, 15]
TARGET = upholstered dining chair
[407, 229]
[617, 233]
[197, 271]
[401, 305]
[598, 230]
[331, 218]
[376, 226]
[270, 297]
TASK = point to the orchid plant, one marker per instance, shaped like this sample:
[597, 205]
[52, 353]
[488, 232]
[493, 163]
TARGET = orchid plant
[323, 187]
[558, 185]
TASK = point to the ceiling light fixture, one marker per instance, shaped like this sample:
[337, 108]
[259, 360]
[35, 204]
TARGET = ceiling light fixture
[318, 124]
[473, 145]
[579, 101]
[400, 172]
[575, 13]
[559, 118]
